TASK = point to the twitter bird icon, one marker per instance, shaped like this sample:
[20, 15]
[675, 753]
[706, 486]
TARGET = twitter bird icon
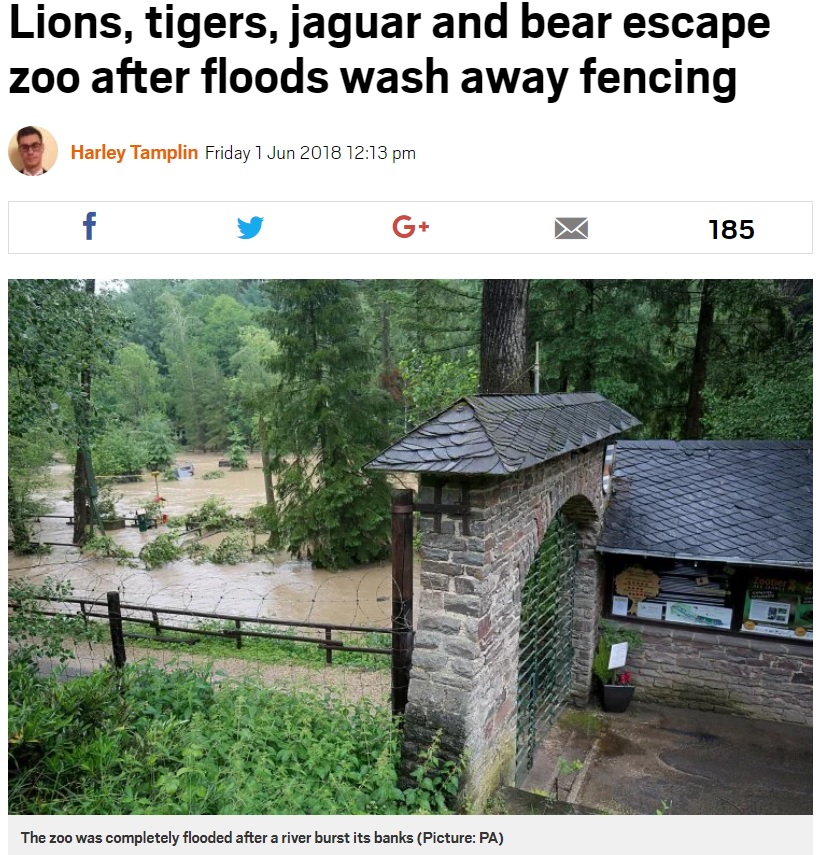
[251, 229]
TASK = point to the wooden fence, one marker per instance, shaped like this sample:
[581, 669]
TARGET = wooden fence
[401, 632]
[172, 626]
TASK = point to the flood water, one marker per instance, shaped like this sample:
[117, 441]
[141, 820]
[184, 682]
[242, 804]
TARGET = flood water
[271, 586]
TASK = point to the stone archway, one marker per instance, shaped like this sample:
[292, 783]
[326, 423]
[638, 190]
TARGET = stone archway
[554, 654]
[464, 677]
[494, 471]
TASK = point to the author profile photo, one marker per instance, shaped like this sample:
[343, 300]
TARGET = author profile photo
[32, 151]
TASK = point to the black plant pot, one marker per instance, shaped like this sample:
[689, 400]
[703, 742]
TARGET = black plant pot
[617, 698]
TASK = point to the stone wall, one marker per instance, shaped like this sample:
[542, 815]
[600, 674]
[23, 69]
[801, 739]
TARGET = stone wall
[741, 675]
[465, 661]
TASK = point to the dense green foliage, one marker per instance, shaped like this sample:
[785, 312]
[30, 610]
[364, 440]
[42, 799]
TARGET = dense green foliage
[163, 549]
[143, 740]
[331, 419]
[634, 342]
[57, 331]
[148, 741]
[317, 376]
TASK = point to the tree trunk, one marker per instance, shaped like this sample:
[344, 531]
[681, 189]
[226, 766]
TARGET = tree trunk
[588, 370]
[387, 356]
[20, 530]
[82, 517]
[503, 350]
[701, 355]
[267, 478]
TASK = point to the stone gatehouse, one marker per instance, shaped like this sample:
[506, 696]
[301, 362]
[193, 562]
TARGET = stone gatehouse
[494, 472]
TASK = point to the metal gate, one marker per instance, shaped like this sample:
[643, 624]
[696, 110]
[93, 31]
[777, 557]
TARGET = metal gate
[545, 640]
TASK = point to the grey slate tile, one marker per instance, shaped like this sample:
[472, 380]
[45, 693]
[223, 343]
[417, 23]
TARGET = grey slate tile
[501, 434]
[746, 500]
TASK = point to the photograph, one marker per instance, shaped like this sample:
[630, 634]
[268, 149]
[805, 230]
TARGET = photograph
[364, 547]
[32, 151]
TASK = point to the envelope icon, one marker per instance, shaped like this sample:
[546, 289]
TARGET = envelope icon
[571, 228]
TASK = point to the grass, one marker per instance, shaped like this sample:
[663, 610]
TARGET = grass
[275, 651]
[583, 721]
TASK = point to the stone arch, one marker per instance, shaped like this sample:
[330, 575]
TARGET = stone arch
[465, 662]
[586, 516]
[555, 644]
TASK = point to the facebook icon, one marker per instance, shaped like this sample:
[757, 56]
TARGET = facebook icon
[89, 222]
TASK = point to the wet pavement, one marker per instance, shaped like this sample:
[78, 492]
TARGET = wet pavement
[656, 759]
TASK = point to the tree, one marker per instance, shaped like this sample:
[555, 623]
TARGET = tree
[131, 388]
[254, 387]
[327, 422]
[503, 350]
[698, 372]
[56, 329]
[60, 333]
[433, 382]
[154, 433]
[83, 472]
[196, 383]
[221, 329]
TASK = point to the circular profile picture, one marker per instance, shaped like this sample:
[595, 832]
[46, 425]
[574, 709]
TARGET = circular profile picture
[32, 151]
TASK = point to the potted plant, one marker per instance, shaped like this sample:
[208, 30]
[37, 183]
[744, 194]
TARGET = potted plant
[616, 685]
[107, 508]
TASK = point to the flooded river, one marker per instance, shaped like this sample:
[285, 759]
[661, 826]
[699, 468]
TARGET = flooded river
[271, 586]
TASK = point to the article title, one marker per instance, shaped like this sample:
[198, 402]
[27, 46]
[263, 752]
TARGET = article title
[289, 30]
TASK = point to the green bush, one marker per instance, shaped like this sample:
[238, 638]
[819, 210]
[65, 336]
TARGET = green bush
[142, 740]
[147, 741]
[119, 451]
[162, 550]
[104, 546]
[233, 549]
[212, 515]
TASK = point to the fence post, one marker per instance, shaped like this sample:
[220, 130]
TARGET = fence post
[115, 623]
[329, 653]
[402, 599]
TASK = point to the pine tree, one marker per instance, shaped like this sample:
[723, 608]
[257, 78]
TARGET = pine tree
[328, 419]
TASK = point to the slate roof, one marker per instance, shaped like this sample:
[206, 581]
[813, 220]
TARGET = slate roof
[501, 434]
[739, 502]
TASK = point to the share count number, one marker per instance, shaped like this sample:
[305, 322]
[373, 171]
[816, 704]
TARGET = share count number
[730, 229]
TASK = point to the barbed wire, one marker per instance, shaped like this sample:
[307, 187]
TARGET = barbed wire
[265, 586]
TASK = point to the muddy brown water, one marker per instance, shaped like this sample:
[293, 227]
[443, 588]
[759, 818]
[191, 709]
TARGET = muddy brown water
[275, 586]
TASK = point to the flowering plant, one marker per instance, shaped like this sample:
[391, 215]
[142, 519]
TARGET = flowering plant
[608, 636]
